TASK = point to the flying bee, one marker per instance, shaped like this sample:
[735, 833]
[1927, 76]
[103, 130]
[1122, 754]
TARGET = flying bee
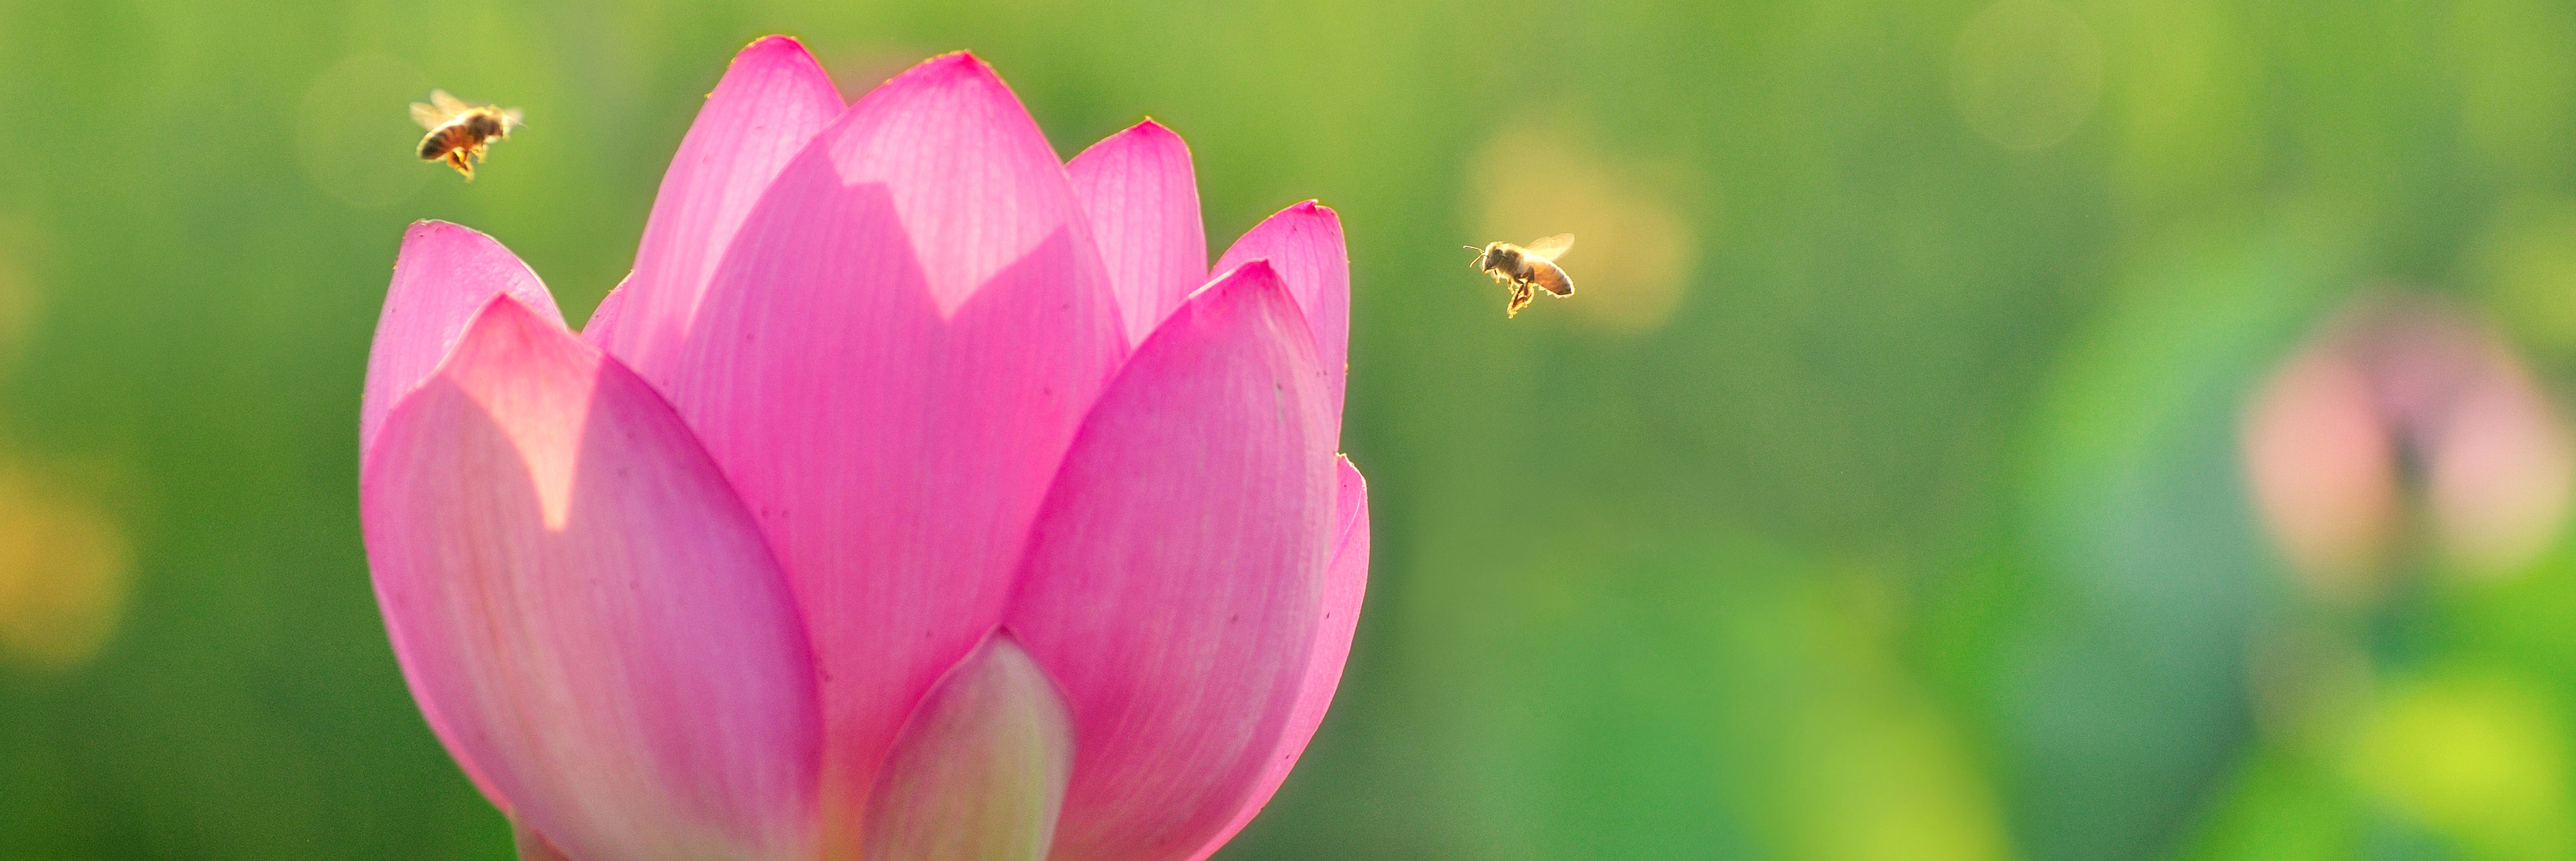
[1527, 268]
[459, 133]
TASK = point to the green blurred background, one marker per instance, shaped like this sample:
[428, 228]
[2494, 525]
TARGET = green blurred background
[1882, 497]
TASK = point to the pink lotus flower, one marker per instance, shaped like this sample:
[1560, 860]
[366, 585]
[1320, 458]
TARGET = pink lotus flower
[917, 496]
[2406, 418]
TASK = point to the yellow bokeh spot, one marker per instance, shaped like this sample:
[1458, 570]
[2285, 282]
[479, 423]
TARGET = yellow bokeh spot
[1633, 247]
[63, 574]
[2481, 758]
[2026, 73]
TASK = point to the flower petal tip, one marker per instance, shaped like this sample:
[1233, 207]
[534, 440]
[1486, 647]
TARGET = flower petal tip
[767, 45]
[503, 314]
[980, 769]
[953, 65]
[1251, 275]
[431, 228]
[775, 50]
[1152, 128]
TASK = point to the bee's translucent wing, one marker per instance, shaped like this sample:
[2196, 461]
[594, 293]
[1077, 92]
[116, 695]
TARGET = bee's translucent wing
[1550, 248]
[447, 104]
[427, 116]
[511, 118]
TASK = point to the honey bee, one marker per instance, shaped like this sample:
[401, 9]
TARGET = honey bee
[1526, 269]
[458, 132]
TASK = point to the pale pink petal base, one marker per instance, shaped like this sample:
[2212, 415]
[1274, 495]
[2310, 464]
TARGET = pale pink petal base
[1174, 580]
[1345, 584]
[979, 770]
[587, 616]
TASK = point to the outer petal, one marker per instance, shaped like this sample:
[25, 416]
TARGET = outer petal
[533, 846]
[585, 613]
[1345, 582]
[444, 274]
[769, 105]
[1304, 243]
[602, 325]
[889, 366]
[1175, 579]
[978, 773]
[1143, 201]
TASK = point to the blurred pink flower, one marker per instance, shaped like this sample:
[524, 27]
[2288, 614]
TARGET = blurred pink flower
[2397, 406]
[918, 495]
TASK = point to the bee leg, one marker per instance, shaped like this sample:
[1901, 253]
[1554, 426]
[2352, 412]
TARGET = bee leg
[1521, 297]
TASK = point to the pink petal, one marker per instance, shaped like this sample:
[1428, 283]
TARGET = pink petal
[1143, 201]
[586, 614]
[1345, 582]
[1174, 581]
[979, 770]
[1304, 243]
[444, 274]
[770, 103]
[603, 319]
[889, 366]
[533, 846]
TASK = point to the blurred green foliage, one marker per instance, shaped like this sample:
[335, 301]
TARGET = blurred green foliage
[1881, 500]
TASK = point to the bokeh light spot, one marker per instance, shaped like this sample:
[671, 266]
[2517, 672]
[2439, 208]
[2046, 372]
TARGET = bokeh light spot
[63, 572]
[2026, 73]
[1633, 248]
[2481, 758]
[354, 132]
[2526, 265]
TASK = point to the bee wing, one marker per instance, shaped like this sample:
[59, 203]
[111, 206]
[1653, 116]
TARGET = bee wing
[451, 105]
[511, 118]
[1550, 248]
[427, 116]
[1552, 277]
